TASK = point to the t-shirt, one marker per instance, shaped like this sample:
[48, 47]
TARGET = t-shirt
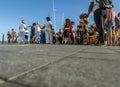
[37, 28]
[96, 5]
[26, 32]
[112, 16]
[22, 27]
[48, 25]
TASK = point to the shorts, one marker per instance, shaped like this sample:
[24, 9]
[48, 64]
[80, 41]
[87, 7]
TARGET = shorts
[111, 25]
[66, 33]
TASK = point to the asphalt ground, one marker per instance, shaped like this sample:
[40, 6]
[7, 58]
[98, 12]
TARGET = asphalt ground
[59, 66]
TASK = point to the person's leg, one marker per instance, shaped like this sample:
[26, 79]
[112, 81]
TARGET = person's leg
[40, 36]
[47, 37]
[21, 40]
[27, 39]
[114, 38]
[99, 21]
[60, 39]
[81, 37]
[109, 34]
[36, 37]
[111, 39]
[51, 37]
[44, 38]
[8, 40]
[23, 37]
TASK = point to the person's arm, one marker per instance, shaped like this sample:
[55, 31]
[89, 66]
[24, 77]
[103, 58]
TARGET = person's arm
[43, 27]
[25, 27]
[50, 24]
[111, 2]
[90, 7]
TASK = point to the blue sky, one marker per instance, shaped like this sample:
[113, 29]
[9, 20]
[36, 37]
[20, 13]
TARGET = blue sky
[13, 11]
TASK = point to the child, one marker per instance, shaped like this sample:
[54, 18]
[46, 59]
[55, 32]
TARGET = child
[77, 36]
[84, 18]
[37, 33]
[71, 33]
[13, 36]
[9, 36]
[66, 30]
[82, 26]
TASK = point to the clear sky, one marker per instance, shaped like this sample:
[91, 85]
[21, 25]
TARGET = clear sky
[13, 11]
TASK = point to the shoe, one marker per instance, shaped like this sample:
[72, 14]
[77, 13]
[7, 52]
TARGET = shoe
[103, 46]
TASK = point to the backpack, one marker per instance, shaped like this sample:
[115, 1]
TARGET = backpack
[104, 3]
[117, 22]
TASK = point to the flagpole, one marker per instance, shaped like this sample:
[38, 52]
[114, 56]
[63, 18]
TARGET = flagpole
[62, 19]
[54, 16]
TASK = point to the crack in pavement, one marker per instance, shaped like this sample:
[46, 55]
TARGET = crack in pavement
[10, 80]
[4, 80]
[100, 59]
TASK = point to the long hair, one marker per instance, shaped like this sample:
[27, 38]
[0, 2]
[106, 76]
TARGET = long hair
[67, 23]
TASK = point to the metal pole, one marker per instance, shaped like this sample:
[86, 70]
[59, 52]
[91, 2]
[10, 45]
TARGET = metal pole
[62, 19]
[3, 39]
[54, 16]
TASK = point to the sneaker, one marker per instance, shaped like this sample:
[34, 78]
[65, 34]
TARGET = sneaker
[103, 46]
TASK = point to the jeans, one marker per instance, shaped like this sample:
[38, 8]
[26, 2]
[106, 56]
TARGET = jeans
[22, 37]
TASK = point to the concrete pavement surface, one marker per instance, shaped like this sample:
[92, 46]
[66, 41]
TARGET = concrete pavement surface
[59, 66]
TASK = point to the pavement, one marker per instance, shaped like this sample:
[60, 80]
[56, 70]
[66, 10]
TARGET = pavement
[59, 66]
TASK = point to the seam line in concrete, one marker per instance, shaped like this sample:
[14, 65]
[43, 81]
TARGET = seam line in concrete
[40, 67]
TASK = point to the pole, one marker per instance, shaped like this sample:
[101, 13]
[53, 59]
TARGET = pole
[62, 19]
[3, 39]
[54, 16]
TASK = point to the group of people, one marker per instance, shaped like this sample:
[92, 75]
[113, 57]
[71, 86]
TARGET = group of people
[105, 32]
[12, 37]
[105, 19]
[38, 34]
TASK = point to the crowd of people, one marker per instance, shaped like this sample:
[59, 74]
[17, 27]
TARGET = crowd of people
[106, 30]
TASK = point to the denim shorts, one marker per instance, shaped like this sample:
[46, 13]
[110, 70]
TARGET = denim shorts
[111, 25]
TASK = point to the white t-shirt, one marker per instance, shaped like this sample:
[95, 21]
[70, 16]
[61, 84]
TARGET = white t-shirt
[48, 25]
[96, 5]
[26, 32]
[37, 28]
[22, 27]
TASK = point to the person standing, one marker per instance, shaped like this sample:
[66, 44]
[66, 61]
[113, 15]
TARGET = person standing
[119, 25]
[111, 27]
[13, 36]
[32, 35]
[48, 29]
[26, 36]
[71, 33]
[60, 38]
[100, 9]
[43, 40]
[9, 36]
[37, 33]
[22, 29]
[66, 30]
